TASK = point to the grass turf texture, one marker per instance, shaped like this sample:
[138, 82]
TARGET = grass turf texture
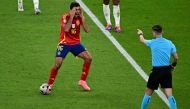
[28, 44]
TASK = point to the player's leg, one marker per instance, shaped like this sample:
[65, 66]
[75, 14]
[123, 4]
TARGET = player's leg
[20, 5]
[106, 10]
[85, 55]
[54, 70]
[116, 14]
[86, 66]
[79, 51]
[36, 7]
[61, 52]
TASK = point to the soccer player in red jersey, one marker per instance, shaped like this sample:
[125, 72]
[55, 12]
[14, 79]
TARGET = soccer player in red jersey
[69, 41]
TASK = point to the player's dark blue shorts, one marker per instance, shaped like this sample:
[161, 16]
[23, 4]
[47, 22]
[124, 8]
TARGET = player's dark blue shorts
[63, 50]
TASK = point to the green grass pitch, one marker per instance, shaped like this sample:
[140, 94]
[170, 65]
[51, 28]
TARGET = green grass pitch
[27, 50]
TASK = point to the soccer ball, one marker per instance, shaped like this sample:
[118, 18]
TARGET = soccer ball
[45, 89]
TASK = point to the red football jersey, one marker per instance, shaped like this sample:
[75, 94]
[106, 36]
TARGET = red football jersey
[71, 37]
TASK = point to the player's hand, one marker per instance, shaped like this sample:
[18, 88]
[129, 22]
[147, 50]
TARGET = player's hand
[139, 32]
[81, 12]
[72, 12]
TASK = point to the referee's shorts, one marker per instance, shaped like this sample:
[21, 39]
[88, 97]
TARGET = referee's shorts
[162, 76]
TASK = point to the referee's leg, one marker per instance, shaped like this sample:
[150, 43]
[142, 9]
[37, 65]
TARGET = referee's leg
[152, 85]
[171, 99]
[166, 84]
[146, 98]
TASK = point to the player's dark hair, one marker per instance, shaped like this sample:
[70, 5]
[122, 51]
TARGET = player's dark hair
[157, 28]
[74, 4]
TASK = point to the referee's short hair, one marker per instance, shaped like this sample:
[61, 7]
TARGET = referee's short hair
[157, 28]
[74, 4]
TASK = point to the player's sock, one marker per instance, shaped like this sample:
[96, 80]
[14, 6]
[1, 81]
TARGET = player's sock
[106, 10]
[52, 76]
[116, 14]
[36, 4]
[145, 101]
[20, 5]
[172, 102]
[85, 70]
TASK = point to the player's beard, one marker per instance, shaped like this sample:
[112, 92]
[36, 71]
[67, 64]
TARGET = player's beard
[77, 15]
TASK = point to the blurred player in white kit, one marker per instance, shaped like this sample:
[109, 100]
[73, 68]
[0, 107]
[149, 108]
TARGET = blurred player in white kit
[116, 14]
[36, 6]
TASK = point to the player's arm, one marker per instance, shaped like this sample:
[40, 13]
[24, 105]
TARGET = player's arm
[141, 36]
[69, 23]
[84, 24]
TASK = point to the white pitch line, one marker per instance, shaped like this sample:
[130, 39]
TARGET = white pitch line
[121, 49]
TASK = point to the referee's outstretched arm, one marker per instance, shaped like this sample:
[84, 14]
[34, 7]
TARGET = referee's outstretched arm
[141, 36]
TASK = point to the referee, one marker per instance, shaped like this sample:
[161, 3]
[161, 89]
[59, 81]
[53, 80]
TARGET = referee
[162, 49]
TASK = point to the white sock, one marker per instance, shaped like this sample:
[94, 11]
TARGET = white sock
[20, 5]
[116, 14]
[36, 4]
[106, 10]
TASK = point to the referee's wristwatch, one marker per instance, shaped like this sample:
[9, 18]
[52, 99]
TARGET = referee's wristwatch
[140, 34]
